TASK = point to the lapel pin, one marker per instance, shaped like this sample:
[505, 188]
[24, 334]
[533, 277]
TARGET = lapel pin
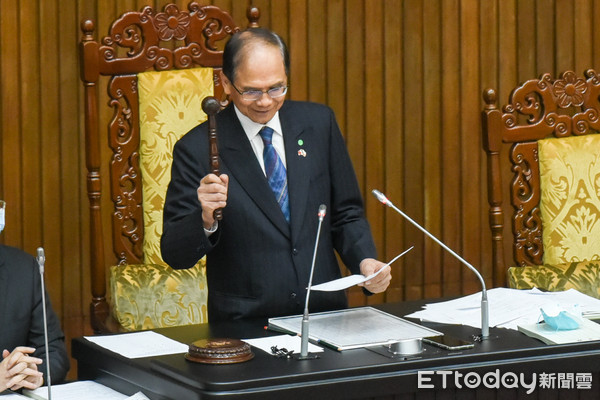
[300, 142]
[302, 153]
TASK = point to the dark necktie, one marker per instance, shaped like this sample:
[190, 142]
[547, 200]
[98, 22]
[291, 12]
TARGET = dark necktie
[275, 171]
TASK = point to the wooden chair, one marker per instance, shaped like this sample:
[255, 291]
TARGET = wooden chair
[158, 68]
[551, 125]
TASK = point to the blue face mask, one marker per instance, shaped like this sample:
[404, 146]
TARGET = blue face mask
[562, 320]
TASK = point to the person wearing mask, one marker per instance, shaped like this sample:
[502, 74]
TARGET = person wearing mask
[22, 324]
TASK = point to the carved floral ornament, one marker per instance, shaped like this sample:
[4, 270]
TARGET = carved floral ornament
[172, 23]
[570, 90]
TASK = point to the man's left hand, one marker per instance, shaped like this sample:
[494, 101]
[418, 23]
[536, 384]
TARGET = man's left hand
[380, 283]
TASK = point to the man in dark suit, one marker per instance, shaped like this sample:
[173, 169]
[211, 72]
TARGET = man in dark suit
[22, 325]
[259, 255]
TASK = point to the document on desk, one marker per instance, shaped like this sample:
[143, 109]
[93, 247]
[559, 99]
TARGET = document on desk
[88, 390]
[349, 281]
[587, 331]
[139, 344]
[354, 328]
[508, 308]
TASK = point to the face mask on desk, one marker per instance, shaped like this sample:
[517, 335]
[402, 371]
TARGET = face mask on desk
[561, 319]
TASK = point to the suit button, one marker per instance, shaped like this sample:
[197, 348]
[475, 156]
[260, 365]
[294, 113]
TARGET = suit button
[295, 252]
[293, 295]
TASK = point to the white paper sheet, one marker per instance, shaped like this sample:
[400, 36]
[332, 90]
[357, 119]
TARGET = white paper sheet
[139, 344]
[88, 390]
[288, 342]
[508, 308]
[348, 281]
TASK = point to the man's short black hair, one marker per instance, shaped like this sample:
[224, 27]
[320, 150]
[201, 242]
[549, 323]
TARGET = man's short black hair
[233, 49]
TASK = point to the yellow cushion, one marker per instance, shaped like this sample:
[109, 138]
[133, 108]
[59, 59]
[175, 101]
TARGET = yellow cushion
[170, 105]
[570, 202]
[155, 296]
[583, 276]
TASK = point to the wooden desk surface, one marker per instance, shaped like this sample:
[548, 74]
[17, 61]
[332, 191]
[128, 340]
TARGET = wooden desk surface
[360, 373]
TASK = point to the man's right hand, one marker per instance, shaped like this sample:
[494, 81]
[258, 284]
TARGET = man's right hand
[19, 370]
[212, 195]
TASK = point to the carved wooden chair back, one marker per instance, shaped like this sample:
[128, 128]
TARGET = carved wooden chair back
[131, 63]
[550, 127]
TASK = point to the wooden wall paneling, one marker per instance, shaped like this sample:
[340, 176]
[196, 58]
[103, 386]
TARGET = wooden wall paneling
[450, 174]
[413, 146]
[470, 132]
[488, 56]
[393, 156]
[373, 129]
[316, 55]
[507, 79]
[544, 42]
[526, 44]
[565, 57]
[354, 125]
[432, 132]
[49, 150]
[10, 124]
[240, 7]
[280, 22]
[71, 165]
[74, 291]
[31, 134]
[583, 20]
[298, 49]
[335, 66]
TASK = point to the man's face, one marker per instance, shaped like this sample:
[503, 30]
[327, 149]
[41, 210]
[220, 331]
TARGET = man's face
[261, 68]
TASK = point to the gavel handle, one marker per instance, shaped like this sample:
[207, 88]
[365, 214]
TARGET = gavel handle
[211, 107]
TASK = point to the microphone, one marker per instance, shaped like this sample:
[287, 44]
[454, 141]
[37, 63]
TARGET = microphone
[485, 325]
[304, 343]
[41, 259]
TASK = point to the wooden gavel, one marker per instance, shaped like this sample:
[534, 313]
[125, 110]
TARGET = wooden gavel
[211, 107]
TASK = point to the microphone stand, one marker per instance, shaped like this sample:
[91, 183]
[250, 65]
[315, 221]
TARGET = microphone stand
[485, 325]
[304, 343]
[41, 259]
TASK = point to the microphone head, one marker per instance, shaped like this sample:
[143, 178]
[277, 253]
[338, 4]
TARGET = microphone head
[322, 210]
[380, 196]
[41, 257]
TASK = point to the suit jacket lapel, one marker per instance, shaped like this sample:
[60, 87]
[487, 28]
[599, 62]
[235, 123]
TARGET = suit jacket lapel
[237, 154]
[298, 171]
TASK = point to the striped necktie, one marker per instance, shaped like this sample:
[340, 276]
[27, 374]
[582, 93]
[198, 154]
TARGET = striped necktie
[275, 171]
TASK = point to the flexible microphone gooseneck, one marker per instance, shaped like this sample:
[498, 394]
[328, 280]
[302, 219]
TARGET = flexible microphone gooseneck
[41, 259]
[485, 325]
[304, 343]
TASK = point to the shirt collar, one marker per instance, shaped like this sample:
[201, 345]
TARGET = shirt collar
[252, 128]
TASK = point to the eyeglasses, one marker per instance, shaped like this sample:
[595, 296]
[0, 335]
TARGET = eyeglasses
[253, 95]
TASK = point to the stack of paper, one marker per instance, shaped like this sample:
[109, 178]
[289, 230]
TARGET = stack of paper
[508, 308]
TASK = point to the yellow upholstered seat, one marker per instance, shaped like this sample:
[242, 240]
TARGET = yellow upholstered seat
[150, 295]
[153, 295]
[583, 276]
[570, 213]
[570, 198]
